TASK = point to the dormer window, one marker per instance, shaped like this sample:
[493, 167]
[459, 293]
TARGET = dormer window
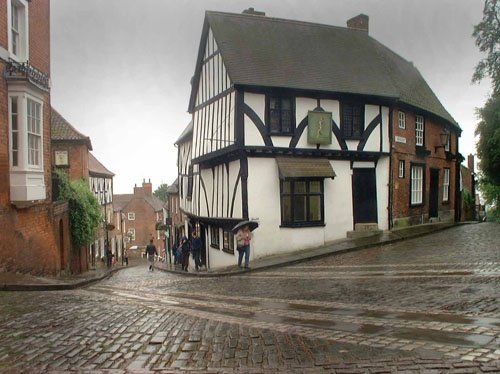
[280, 113]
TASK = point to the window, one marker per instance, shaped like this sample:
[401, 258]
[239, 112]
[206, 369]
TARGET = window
[302, 202]
[131, 216]
[228, 245]
[34, 133]
[131, 234]
[446, 185]
[352, 120]
[447, 145]
[417, 184]
[280, 115]
[18, 36]
[401, 169]
[419, 131]
[214, 237]
[402, 120]
[190, 183]
[14, 131]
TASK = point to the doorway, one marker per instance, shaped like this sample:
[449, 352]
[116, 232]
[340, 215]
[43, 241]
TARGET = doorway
[364, 195]
[434, 193]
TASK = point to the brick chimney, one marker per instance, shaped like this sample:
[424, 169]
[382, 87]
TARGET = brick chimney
[360, 22]
[470, 163]
[253, 12]
[148, 187]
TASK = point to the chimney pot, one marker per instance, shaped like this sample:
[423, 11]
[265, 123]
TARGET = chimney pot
[360, 22]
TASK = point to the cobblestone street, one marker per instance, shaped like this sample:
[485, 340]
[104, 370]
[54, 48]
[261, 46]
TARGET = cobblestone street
[429, 304]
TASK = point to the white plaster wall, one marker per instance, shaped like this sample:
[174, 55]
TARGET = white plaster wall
[338, 202]
[385, 130]
[258, 103]
[206, 175]
[220, 259]
[234, 169]
[352, 145]
[252, 134]
[373, 142]
[383, 192]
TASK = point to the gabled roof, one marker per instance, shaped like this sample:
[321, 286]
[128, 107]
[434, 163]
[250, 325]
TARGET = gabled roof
[95, 167]
[174, 187]
[262, 51]
[121, 201]
[62, 130]
[186, 134]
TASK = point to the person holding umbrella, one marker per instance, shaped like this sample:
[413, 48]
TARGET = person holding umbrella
[243, 237]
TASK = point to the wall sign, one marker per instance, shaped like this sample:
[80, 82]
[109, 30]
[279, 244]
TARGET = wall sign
[400, 139]
[319, 127]
[61, 158]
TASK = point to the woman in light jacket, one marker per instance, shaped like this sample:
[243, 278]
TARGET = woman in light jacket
[243, 238]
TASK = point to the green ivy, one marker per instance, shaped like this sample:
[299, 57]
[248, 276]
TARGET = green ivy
[84, 210]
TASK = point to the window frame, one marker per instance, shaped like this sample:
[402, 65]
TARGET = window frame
[18, 49]
[214, 237]
[349, 132]
[228, 241]
[402, 120]
[293, 221]
[15, 131]
[419, 132]
[413, 197]
[401, 169]
[131, 230]
[34, 133]
[131, 216]
[270, 131]
[446, 185]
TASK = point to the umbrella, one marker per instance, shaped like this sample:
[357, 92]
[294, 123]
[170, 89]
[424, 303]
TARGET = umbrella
[252, 225]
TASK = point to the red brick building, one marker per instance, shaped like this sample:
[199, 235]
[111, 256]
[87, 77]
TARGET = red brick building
[142, 213]
[33, 229]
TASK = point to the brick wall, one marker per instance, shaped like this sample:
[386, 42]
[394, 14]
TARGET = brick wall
[30, 237]
[78, 158]
[435, 158]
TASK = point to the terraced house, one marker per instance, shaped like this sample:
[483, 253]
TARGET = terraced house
[317, 131]
[33, 230]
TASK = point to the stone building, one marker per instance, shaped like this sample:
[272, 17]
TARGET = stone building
[34, 234]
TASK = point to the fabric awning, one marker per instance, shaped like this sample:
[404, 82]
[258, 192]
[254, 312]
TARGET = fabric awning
[296, 167]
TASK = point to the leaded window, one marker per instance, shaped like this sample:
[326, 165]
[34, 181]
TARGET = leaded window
[280, 113]
[34, 133]
[419, 131]
[352, 121]
[302, 202]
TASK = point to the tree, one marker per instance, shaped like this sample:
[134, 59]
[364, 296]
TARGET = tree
[161, 192]
[487, 34]
[488, 145]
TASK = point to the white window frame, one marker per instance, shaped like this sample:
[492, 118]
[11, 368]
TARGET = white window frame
[402, 120]
[15, 131]
[419, 130]
[446, 185]
[417, 185]
[401, 168]
[447, 145]
[34, 119]
[131, 216]
[131, 231]
[18, 35]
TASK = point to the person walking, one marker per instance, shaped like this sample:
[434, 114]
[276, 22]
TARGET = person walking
[125, 256]
[150, 253]
[243, 238]
[185, 250]
[196, 249]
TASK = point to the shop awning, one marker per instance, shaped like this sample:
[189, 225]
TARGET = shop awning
[296, 167]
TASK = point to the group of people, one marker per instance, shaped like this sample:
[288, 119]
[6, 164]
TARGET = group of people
[194, 246]
[189, 247]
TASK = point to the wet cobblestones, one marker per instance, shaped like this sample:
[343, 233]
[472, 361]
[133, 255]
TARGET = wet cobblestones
[412, 307]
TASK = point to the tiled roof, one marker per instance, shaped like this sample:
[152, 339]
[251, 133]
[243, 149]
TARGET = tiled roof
[62, 130]
[186, 134]
[95, 167]
[174, 187]
[120, 201]
[271, 52]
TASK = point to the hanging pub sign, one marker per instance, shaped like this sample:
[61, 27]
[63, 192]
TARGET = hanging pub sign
[319, 127]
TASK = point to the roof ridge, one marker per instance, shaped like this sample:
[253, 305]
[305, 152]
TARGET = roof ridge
[68, 123]
[284, 20]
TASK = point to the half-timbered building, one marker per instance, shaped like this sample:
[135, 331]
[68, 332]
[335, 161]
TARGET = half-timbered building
[292, 125]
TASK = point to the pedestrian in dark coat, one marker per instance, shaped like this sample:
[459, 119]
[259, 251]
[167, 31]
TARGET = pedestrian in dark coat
[186, 249]
[196, 249]
[150, 253]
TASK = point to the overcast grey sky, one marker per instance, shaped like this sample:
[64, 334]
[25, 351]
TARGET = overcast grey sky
[121, 69]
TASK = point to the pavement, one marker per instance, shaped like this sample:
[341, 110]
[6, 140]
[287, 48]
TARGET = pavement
[26, 282]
